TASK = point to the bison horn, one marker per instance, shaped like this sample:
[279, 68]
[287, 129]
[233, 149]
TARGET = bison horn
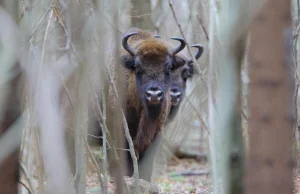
[178, 48]
[198, 53]
[125, 43]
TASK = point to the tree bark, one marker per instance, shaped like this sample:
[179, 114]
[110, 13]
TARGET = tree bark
[270, 164]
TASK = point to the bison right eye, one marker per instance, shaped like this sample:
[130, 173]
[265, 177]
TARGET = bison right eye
[185, 74]
[139, 72]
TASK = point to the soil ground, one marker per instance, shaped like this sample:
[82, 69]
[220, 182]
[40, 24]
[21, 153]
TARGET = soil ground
[185, 176]
[181, 176]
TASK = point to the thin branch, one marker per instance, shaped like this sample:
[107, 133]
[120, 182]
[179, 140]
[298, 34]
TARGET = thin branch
[190, 173]
[188, 46]
[189, 49]
[41, 20]
[29, 191]
[199, 116]
[43, 52]
[203, 27]
[127, 134]
[90, 154]
[28, 179]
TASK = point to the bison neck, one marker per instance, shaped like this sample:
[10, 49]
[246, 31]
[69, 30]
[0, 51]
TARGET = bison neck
[151, 123]
[173, 113]
[153, 112]
[132, 117]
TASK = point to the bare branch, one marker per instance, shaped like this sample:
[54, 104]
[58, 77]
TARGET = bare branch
[188, 46]
[27, 177]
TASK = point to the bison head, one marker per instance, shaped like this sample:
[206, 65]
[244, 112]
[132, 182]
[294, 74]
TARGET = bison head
[179, 78]
[150, 60]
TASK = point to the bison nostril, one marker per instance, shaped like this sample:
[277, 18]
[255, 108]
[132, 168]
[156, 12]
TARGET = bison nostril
[159, 94]
[148, 94]
[154, 94]
[151, 93]
[175, 93]
[175, 96]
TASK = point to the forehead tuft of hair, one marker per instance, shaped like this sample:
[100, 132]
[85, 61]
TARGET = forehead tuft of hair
[141, 35]
[152, 48]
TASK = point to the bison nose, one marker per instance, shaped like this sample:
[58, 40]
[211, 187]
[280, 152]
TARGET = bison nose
[175, 96]
[154, 95]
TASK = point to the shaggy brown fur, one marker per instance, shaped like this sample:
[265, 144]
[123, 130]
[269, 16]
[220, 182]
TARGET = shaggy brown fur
[151, 64]
[179, 79]
[154, 65]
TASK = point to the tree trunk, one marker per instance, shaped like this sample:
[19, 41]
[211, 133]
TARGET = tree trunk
[271, 121]
[9, 167]
[141, 14]
[10, 98]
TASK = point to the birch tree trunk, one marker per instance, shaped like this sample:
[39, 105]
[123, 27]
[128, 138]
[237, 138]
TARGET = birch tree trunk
[271, 122]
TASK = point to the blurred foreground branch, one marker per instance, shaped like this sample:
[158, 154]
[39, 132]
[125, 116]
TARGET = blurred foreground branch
[10, 95]
[272, 116]
[226, 134]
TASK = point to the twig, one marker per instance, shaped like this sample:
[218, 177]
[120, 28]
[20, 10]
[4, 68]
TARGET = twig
[203, 27]
[29, 191]
[43, 52]
[189, 50]
[95, 164]
[105, 165]
[190, 173]
[159, 17]
[41, 20]
[28, 179]
[188, 46]
[82, 135]
[41, 171]
[127, 134]
[244, 115]
[104, 131]
[68, 34]
[199, 116]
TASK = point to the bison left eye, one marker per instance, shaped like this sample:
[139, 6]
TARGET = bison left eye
[185, 74]
[177, 62]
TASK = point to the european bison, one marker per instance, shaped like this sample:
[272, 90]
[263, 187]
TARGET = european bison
[178, 82]
[148, 63]
[178, 79]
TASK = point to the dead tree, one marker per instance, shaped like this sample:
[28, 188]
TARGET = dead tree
[271, 122]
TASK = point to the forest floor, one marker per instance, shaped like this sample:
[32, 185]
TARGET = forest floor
[182, 176]
[297, 176]
[185, 176]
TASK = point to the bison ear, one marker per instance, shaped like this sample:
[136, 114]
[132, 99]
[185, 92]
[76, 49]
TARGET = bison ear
[177, 62]
[128, 62]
